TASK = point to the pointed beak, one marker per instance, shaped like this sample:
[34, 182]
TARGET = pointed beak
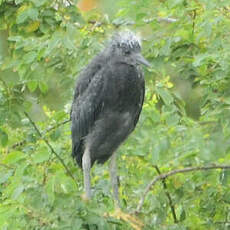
[141, 60]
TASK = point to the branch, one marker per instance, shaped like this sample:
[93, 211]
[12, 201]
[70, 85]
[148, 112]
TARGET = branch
[223, 222]
[149, 20]
[171, 173]
[50, 146]
[193, 21]
[23, 142]
[168, 20]
[168, 195]
[6, 166]
[55, 126]
[20, 143]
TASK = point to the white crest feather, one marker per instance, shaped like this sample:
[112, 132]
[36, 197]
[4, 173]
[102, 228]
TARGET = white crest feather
[127, 38]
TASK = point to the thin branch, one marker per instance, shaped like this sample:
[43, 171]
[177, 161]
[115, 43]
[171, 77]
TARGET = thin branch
[193, 21]
[50, 146]
[168, 20]
[18, 144]
[171, 173]
[149, 20]
[6, 166]
[168, 195]
[223, 222]
[23, 142]
[55, 126]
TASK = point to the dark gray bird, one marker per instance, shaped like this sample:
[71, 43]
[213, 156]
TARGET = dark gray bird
[107, 102]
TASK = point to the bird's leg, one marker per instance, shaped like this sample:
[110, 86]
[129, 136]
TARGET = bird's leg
[86, 165]
[114, 180]
[119, 214]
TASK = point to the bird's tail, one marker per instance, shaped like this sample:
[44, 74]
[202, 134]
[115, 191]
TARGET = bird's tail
[78, 151]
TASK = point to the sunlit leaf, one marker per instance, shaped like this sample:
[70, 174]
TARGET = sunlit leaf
[14, 157]
[17, 192]
[42, 155]
[43, 87]
[165, 95]
[32, 85]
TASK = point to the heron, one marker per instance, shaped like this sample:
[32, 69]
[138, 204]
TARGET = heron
[106, 106]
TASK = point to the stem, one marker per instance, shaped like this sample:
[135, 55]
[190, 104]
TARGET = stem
[50, 146]
[171, 173]
[168, 195]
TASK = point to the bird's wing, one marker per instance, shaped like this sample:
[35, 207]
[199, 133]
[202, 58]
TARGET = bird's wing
[87, 106]
[87, 74]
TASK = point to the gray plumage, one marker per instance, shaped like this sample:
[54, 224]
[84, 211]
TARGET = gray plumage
[108, 99]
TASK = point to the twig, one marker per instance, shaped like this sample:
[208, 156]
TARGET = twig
[193, 21]
[20, 143]
[168, 195]
[23, 142]
[6, 166]
[50, 146]
[171, 173]
[168, 20]
[227, 223]
[55, 126]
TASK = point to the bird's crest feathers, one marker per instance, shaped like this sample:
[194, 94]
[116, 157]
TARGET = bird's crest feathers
[126, 39]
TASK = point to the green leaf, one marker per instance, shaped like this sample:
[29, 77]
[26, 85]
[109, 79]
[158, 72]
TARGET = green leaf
[17, 192]
[39, 3]
[6, 176]
[43, 87]
[55, 134]
[183, 215]
[32, 85]
[14, 157]
[165, 95]
[3, 138]
[41, 155]
[15, 38]
[29, 57]
[25, 13]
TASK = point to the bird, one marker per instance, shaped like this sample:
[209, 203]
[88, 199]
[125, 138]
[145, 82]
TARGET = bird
[107, 103]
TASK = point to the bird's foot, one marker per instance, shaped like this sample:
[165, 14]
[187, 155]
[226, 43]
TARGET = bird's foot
[131, 219]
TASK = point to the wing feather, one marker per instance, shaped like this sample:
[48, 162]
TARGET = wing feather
[87, 106]
[85, 109]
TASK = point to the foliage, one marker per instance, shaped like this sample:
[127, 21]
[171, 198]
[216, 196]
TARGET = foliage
[185, 120]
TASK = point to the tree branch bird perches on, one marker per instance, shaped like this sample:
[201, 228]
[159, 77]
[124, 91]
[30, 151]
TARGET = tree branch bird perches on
[107, 102]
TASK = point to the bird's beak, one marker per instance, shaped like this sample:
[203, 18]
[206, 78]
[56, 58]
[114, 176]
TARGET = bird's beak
[141, 60]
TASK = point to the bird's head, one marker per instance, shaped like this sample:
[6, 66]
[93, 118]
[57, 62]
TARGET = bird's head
[126, 47]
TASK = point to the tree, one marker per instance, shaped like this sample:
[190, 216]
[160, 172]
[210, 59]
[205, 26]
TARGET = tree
[184, 124]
